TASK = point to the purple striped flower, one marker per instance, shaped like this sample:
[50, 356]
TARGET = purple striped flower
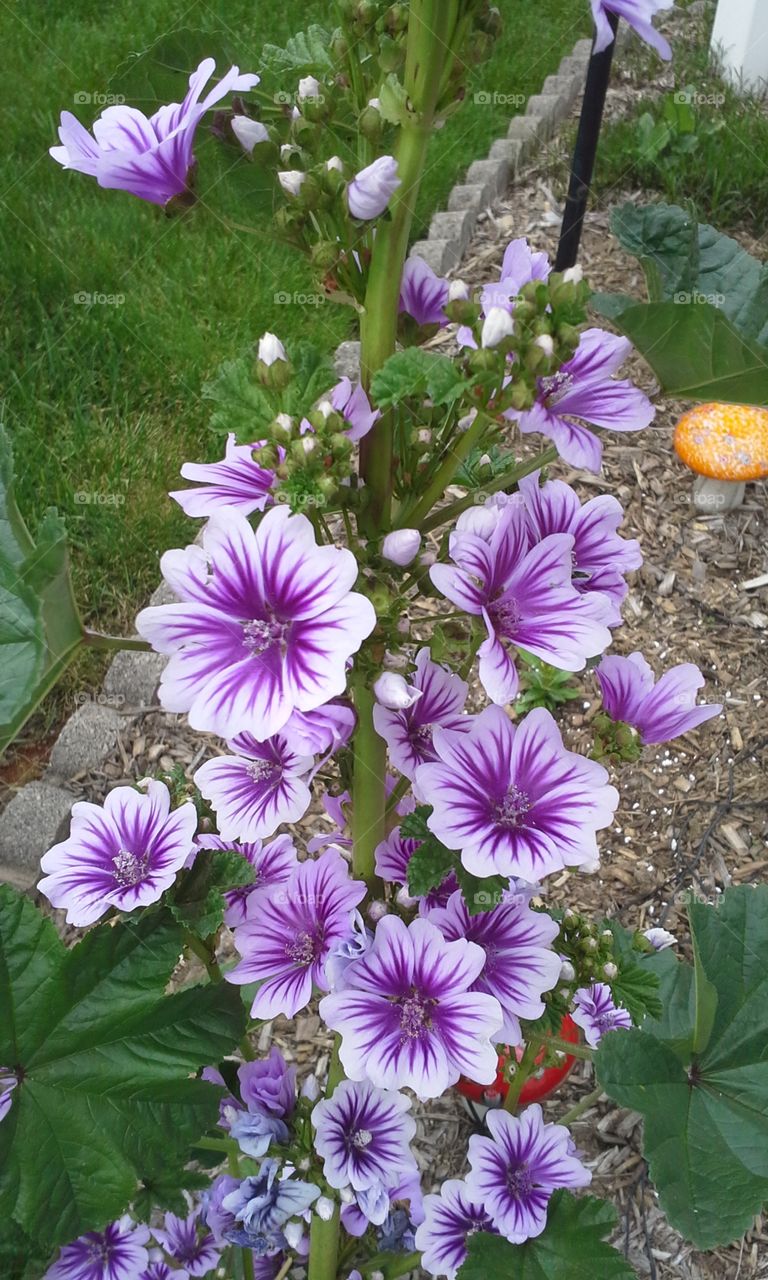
[392, 858]
[513, 800]
[520, 267]
[526, 599]
[408, 733]
[595, 1012]
[237, 481]
[266, 625]
[407, 1015]
[152, 158]
[263, 1204]
[116, 1253]
[255, 791]
[514, 1172]
[520, 964]
[325, 729]
[423, 293]
[601, 557]
[290, 932]
[363, 1135]
[659, 710]
[185, 1243]
[124, 853]
[339, 837]
[269, 1083]
[450, 1218]
[8, 1082]
[353, 404]
[158, 1269]
[638, 14]
[272, 863]
[585, 391]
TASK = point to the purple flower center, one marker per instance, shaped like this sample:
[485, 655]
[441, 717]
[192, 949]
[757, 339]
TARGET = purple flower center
[261, 770]
[554, 388]
[506, 616]
[511, 810]
[261, 634]
[361, 1139]
[100, 1251]
[520, 1181]
[304, 948]
[415, 1015]
[129, 869]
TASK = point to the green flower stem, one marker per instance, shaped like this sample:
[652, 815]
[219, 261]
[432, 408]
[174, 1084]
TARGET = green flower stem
[227, 1146]
[369, 797]
[434, 491]
[324, 1236]
[581, 1107]
[525, 1069]
[205, 954]
[247, 1264]
[565, 1046]
[95, 640]
[454, 509]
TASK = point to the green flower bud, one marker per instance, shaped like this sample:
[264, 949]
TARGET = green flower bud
[391, 54]
[370, 123]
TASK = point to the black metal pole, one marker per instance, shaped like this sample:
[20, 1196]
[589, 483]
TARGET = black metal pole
[583, 163]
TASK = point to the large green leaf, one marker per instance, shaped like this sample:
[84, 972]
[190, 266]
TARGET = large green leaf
[706, 1110]
[416, 372]
[160, 73]
[571, 1247]
[244, 406]
[106, 1098]
[307, 51]
[40, 629]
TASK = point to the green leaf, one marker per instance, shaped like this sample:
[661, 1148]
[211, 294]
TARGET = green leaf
[481, 893]
[414, 825]
[166, 1192]
[706, 1113]
[105, 1099]
[394, 105]
[637, 985]
[306, 51]
[429, 866]
[160, 73]
[417, 373]
[571, 1247]
[242, 405]
[197, 900]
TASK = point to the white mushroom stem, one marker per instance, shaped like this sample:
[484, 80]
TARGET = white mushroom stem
[716, 496]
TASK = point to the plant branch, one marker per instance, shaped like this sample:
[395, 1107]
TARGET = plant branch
[581, 1107]
[454, 509]
[96, 640]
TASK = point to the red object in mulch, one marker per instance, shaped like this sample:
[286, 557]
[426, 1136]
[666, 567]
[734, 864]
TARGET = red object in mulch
[536, 1088]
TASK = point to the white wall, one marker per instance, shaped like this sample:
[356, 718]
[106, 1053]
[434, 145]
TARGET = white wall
[741, 35]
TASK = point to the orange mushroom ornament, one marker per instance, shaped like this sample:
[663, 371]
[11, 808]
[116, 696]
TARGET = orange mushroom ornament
[725, 445]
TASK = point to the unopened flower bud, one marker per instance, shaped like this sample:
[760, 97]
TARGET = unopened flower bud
[405, 900]
[324, 1208]
[401, 546]
[270, 349]
[573, 275]
[294, 1234]
[611, 971]
[567, 971]
[291, 180]
[660, 939]
[371, 190]
[347, 1195]
[497, 326]
[377, 910]
[394, 693]
[249, 132]
[335, 163]
[545, 342]
[309, 87]
[311, 1088]
[458, 291]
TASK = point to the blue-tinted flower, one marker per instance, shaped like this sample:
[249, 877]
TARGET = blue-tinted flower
[371, 190]
[363, 1135]
[514, 1172]
[659, 710]
[116, 1253]
[595, 1012]
[450, 1218]
[423, 294]
[638, 14]
[8, 1082]
[263, 1204]
[185, 1243]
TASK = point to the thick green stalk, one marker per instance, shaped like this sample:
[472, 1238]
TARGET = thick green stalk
[525, 1068]
[324, 1247]
[457, 454]
[369, 796]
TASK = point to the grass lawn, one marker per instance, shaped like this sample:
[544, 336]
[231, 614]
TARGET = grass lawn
[103, 400]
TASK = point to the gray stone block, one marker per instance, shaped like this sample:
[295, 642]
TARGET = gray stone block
[583, 51]
[522, 129]
[465, 197]
[437, 253]
[36, 818]
[510, 150]
[565, 87]
[133, 677]
[455, 227]
[86, 740]
[346, 360]
[492, 175]
[547, 111]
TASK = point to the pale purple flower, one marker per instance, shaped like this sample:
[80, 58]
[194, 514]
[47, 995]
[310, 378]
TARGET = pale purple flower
[350, 400]
[585, 391]
[323, 730]
[423, 293]
[266, 625]
[263, 1204]
[394, 693]
[356, 1219]
[514, 1172]
[450, 1218]
[124, 853]
[408, 733]
[513, 800]
[290, 932]
[249, 133]
[520, 964]
[659, 710]
[8, 1082]
[182, 1240]
[272, 864]
[253, 792]
[371, 190]
[151, 158]
[363, 1135]
[520, 267]
[237, 481]
[407, 1016]
[595, 1012]
[291, 180]
[216, 1217]
[401, 546]
[270, 349]
[601, 557]
[309, 87]
[116, 1253]
[158, 1269]
[660, 939]
[526, 599]
[638, 14]
[269, 1083]
[348, 949]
